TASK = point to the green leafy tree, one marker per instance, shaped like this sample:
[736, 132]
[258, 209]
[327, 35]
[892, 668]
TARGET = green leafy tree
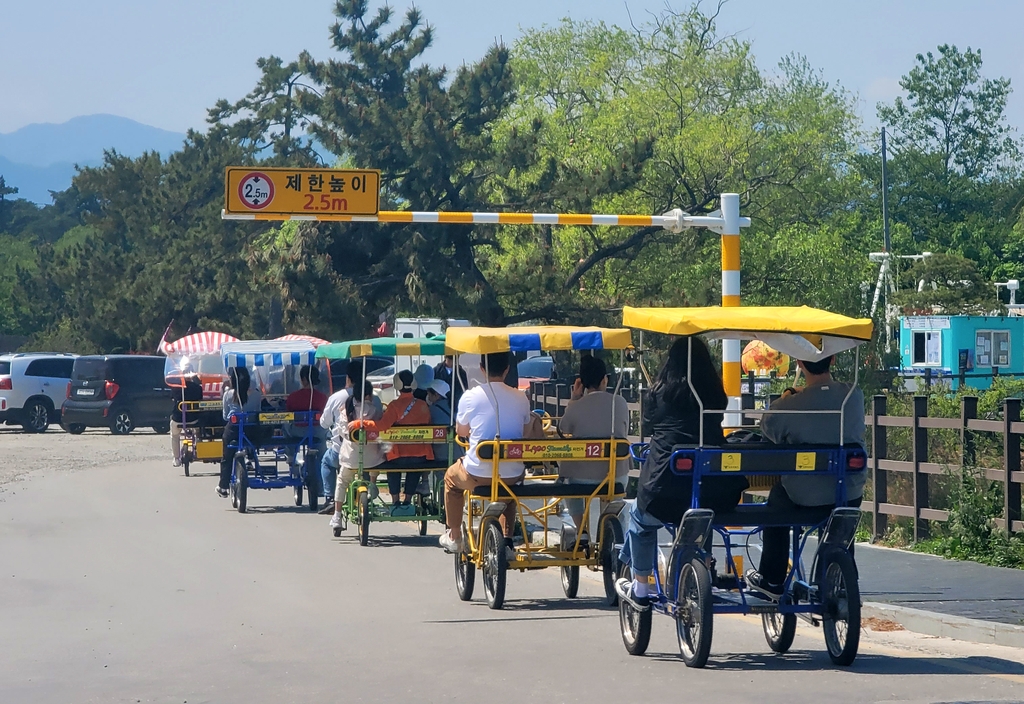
[156, 249]
[948, 284]
[5, 191]
[955, 176]
[669, 115]
[954, 113]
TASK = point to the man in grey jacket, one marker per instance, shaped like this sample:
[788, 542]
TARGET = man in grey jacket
[820, 393]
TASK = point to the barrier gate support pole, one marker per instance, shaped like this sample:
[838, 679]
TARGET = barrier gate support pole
[731, 373]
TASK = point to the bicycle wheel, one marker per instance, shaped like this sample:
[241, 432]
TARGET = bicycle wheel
[241, 483]
[635, 625]
[779, 630]
[495, 565]
[364, 517]
[611, 535]
[840, 606]
[694, 619]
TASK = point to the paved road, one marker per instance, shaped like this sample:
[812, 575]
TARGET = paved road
[932, 583]
[131, 583]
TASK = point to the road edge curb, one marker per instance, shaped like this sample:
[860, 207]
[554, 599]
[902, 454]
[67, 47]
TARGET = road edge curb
[947, 626]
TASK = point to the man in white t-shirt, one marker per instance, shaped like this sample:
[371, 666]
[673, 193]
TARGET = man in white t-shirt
[477, 420]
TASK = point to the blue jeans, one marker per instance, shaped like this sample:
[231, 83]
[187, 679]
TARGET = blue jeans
[641, 545]
[329, 472]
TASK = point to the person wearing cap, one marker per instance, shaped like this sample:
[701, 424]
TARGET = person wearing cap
[590, 414]
[457, 382]
[404, 410]
[191, 389]
[441, 414]
[820, 393]
[421, 380]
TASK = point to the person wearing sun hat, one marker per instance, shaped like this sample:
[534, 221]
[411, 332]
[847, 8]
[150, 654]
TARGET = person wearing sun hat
[421, 380]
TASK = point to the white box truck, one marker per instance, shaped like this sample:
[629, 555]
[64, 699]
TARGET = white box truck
[423, 327]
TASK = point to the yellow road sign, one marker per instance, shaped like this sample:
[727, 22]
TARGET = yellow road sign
[314, 192]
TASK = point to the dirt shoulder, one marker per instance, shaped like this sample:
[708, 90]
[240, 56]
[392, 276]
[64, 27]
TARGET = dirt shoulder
[56, 451]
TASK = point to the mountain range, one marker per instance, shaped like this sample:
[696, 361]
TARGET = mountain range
[41, 157]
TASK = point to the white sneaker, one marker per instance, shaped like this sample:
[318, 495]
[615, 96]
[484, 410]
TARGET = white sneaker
[449, 543]
[336, 520]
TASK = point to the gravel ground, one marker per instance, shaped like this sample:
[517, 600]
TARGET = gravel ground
[22, 453]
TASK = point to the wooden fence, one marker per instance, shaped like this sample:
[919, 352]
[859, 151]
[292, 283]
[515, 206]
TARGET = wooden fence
[553, 398]
[968, 425]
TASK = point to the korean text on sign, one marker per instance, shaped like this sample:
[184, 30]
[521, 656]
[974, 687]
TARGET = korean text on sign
[285, 191]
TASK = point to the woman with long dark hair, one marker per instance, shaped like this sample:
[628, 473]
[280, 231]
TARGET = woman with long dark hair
[673, 415]
[238, 398]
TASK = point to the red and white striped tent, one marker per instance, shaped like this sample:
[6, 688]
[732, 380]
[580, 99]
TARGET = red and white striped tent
[197, 343]
[315, 341]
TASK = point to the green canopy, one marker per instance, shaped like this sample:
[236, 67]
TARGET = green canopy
[382, 347]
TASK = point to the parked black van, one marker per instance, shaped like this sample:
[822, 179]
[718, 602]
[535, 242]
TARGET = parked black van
[117, 391]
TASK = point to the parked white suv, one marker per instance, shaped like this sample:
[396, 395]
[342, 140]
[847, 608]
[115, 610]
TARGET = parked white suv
[32, 388]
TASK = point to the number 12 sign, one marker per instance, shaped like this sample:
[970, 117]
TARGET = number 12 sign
[275, 191]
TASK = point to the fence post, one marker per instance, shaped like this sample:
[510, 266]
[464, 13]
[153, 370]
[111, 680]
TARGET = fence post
[920, 454]
[968, 412]
[1011, 462]
[879, 449]
[927, 378]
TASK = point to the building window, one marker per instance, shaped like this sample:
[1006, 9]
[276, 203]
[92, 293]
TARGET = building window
[992, 348]
[927, 348]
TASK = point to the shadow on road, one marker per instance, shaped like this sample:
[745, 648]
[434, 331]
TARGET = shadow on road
[389, 541]
[537, 610]
[292, 508]
[866, 663]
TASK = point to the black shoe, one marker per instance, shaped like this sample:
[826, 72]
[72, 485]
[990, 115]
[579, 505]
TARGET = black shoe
[328, 509]
[222, 493]
[757, 582]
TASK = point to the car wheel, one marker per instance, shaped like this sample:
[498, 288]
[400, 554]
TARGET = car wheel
[37, 417]
[122, 424]
[75, 428]
[163, 429]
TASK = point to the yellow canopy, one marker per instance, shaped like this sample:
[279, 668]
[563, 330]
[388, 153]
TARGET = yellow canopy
[805, 333]
[528, 339]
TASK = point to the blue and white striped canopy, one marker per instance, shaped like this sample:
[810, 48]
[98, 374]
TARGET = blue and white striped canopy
[268, 353]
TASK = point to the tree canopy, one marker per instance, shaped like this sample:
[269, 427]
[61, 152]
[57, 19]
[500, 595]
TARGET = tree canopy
[577, 117]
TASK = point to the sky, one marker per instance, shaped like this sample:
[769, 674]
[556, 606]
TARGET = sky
[164, 63]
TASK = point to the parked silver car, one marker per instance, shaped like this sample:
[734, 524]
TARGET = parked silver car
[32, 388]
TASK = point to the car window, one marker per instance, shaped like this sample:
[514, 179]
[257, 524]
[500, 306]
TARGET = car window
[5, 367]
[152, 372]
[536, 368]
[387, 371]
[41, 367]
[90, 369]
[62, 368]
[375, 363]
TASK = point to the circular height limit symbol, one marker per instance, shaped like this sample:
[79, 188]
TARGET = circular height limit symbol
[256, 191]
